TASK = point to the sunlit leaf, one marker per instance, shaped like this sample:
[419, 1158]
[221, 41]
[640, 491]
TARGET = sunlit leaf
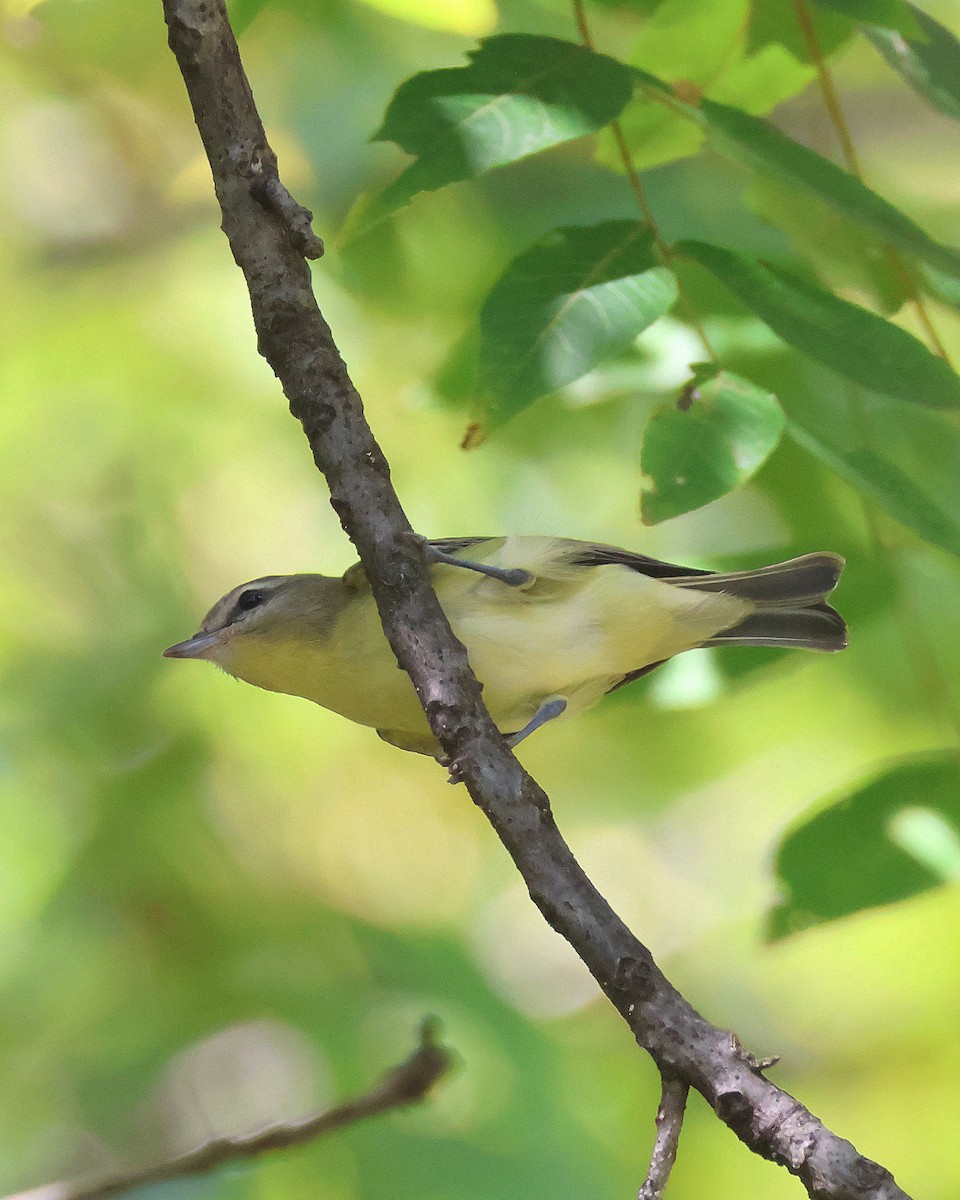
[893, 14]
[905, 458]
[931, 66]
[710, 441]
[698, 48]
[577, 296]
[470, 18]
[853, 341]
[893, 837]
[689, 41]
[763, 147]
[520, 94]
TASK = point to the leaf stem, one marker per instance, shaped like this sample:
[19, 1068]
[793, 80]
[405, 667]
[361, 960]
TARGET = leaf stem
[831, 102]
[636, 186]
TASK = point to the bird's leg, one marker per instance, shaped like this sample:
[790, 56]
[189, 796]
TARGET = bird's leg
[548, 711]
[512, 576]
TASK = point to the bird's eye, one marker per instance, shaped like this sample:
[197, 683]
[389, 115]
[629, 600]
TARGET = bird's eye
[250, 599]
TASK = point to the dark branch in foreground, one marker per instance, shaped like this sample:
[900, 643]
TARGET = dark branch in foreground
[673, 1104]
[405, 1084]
[296, 341]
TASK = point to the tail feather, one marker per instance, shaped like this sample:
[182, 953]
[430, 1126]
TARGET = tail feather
[811, 627]
[794, 584]
[790, 604]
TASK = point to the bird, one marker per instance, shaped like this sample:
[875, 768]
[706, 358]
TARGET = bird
[550, 624]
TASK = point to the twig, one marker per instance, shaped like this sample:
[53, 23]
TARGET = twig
[267, 187]
[297, 343]
[673, 1104]
[405, 1084]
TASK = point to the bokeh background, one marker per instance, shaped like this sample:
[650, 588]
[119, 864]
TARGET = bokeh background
[220, 907]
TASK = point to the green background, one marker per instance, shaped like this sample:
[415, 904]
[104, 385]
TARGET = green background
[220, 907]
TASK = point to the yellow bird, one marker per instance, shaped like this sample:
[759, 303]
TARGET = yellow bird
[550, 624]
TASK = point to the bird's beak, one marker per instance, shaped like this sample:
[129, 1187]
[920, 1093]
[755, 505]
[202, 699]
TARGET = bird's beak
[194, 647]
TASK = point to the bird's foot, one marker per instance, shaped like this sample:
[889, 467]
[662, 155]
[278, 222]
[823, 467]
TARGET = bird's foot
[549, 710]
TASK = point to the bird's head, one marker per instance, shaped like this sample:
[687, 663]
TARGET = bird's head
[255, 620]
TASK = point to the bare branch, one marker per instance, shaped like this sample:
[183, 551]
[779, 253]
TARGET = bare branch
[405, 1084]
[296, 341]
[673, 1105]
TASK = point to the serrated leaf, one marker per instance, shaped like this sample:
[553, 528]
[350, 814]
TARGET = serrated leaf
[902, 457]
[520, 94]
[930, 66]
[701, 447]
[893, 14]
[577, 296]
[895, 836]
[760, 145]
[854, 342]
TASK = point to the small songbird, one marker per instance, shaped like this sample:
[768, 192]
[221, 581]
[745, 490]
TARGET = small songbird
[550, 624]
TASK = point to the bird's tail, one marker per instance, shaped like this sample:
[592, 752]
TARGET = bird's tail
[791, 609]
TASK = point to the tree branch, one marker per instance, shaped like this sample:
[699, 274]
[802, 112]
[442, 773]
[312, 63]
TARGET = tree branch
[673, 1105]
[296, 341]
[405, 1084]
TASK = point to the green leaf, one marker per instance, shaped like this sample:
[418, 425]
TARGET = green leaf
[519, 95]
[851, 340]
[893, 837]
[902, 457]
[843, 254]
[645, 8]
[931, 66]
[893, 14]
[699, 48]
[690, 41]
[761, 146]
[713, 439]
[774, 21]
[575, 297]
[243, 13]
[945, 288]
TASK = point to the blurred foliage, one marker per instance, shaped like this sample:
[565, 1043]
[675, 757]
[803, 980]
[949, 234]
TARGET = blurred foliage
[221, 907]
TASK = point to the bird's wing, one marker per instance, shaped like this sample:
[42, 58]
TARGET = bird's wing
[452, 545]
[578, 554]
[596, 555]
[566, 551]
